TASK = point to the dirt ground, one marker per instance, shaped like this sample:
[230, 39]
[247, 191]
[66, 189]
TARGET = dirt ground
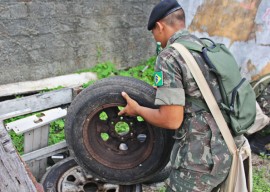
[257, 163]
[260, 163]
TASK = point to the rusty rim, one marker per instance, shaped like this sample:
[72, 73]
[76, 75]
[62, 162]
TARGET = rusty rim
[118, 142]
[76, 179]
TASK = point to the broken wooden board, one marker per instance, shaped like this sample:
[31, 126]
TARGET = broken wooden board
[36, 132]
[45, 152]
[37, 102]
[70, 81]
[35, 121]
[13, 174]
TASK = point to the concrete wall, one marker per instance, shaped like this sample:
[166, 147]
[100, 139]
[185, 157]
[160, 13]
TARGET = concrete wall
[243, 25]
[45, 38]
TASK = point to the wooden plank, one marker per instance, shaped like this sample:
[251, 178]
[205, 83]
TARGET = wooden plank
[33, 140]
[28, 147]
[33, 121]
[37, 102]
[13, 175]
[14, 114]
[44, 138]
[71, 81]
[45, 152]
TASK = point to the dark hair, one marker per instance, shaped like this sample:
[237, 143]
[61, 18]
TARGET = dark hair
[175, 17]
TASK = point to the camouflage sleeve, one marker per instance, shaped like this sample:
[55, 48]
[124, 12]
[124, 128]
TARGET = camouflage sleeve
[170, 88]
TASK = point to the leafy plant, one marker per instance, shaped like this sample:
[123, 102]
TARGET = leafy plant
[51, 89]
[88, 84]
[259, 182]
[143, 71]
[98, 53]
[102, 69]
[17, 141]
[162, 189]
[56, 133]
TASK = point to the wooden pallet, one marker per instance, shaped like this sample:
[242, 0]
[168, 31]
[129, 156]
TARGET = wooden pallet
[13, 174]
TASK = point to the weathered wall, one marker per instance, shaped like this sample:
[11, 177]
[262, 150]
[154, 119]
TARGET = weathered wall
[44, 38]
[243, 25]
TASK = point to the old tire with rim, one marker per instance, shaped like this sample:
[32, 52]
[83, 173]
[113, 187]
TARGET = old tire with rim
[66, 175]
[93, 137]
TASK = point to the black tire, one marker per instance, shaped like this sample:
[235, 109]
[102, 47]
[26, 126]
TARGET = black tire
[159, 176]
[52, 179]
[102, 158]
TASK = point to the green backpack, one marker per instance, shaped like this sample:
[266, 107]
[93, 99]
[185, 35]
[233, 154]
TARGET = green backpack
[238, 97]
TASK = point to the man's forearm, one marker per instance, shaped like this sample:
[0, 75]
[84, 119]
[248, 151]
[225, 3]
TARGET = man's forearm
[169, 117]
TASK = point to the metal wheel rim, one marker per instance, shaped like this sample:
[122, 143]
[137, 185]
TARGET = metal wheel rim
[119, 151]
[76, 179]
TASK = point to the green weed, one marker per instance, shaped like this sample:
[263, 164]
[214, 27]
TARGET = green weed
[162, 189]
[51, 89]
[260, 183]
[102, 69]
[57, 133]
[99, 51]
[143, 71]
[88, 84]
[17, 141]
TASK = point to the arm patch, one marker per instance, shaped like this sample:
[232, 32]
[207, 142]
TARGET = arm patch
[158, 78]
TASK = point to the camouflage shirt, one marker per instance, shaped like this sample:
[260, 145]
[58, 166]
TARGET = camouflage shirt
[264, 101]
[178, 83]
[200, 158]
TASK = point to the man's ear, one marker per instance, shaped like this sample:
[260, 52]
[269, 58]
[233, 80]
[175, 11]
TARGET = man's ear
[159, 26]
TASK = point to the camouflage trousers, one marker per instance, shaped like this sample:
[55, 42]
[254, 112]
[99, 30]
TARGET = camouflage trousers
[200, 158]
[260, 141]
[264, 102]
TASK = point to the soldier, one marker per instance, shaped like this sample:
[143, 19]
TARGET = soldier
[260, 141]
[200, 158]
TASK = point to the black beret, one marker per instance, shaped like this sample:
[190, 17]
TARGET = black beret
[161, 10]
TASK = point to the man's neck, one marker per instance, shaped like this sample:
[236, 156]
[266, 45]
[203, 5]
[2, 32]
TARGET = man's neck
[177, 34]
[174, 29]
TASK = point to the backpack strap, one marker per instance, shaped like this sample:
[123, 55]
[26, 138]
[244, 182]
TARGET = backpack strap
[208, 96]
[237, 171]
[205, 44]
[203, 48]
[192, 46]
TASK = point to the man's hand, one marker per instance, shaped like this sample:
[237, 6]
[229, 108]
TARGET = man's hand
[131, 107]
[166, 116]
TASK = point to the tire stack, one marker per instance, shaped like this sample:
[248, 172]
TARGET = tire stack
[143, 151]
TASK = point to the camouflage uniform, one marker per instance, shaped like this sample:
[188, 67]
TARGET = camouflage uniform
[200, 158]
[260, 141]
[264, 102]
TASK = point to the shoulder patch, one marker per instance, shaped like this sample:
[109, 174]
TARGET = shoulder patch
[158, 78]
